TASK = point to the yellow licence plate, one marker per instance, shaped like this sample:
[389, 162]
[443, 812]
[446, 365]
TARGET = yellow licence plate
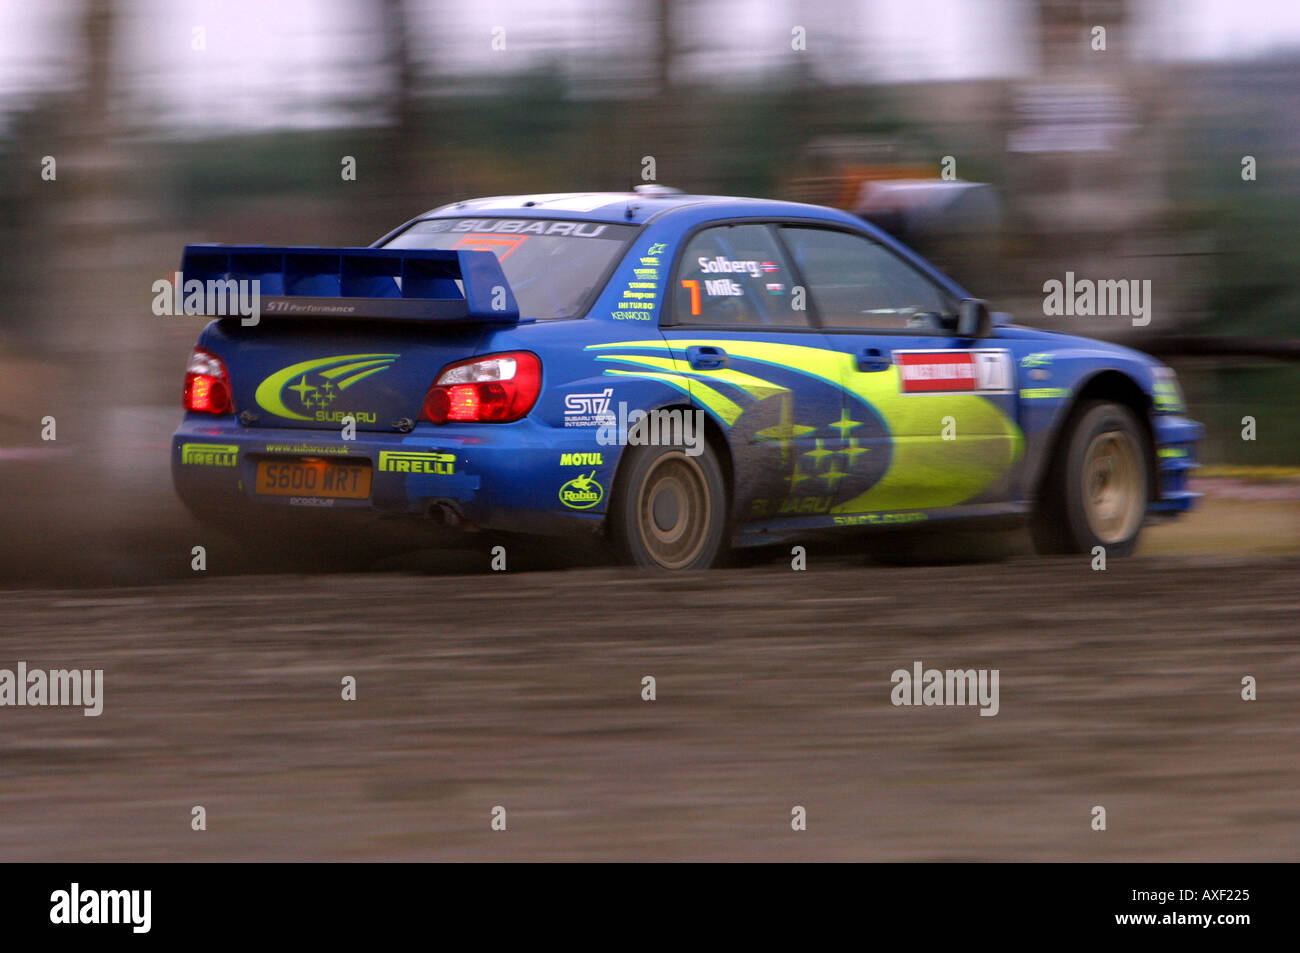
[313, 478]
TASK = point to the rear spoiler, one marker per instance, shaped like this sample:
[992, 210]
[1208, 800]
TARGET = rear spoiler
[418, 284]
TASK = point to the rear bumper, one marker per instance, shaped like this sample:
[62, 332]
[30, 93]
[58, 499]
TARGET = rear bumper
[503, 477]
[1175, 448]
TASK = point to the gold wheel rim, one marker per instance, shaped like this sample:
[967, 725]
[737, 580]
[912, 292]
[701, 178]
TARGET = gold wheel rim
[674, 510]
[1113, 488]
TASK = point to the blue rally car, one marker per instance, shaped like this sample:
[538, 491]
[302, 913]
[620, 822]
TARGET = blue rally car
[676, 374]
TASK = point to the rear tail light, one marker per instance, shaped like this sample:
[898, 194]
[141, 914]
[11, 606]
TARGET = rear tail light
[497, 388]
[207, 388]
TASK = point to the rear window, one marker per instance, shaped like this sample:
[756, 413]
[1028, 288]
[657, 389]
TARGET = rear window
[553, 266]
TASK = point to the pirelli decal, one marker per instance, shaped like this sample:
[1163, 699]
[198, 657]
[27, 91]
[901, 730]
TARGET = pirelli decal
[411, 461]
[209, 454]
[955, 372]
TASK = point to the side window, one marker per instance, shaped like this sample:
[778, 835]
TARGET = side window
[857, 283]
[735, 274]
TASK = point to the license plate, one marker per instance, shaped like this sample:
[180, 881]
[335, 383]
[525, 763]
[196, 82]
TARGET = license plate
[313, 478]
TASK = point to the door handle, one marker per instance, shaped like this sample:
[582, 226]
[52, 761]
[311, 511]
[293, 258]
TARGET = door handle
[706, 357]
[873, 359]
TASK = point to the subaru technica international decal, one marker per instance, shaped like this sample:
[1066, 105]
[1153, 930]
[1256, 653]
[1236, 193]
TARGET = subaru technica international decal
[315, 390]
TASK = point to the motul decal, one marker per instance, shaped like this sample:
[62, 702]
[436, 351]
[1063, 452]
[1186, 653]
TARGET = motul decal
[953, 372]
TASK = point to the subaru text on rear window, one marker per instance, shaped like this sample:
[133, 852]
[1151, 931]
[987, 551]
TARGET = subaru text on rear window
[554, 267]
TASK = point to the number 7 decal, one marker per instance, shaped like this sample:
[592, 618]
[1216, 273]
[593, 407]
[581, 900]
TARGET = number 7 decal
[694, 287]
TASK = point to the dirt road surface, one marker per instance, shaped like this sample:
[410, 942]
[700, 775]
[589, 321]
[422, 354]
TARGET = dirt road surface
[524, 690]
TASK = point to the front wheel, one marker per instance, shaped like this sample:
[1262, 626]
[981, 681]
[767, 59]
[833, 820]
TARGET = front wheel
[1097, 488]
[670, 508]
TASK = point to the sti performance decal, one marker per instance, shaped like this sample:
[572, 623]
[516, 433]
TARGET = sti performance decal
[948, 372]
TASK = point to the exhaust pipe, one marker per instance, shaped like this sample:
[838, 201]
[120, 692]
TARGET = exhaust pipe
[446, 514]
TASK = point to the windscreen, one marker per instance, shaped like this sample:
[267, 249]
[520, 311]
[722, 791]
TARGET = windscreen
[552, 266]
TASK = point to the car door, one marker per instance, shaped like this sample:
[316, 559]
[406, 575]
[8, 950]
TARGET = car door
[755, 361]
[936, 414]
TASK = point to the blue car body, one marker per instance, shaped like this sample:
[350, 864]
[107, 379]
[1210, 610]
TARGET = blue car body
[820, 426]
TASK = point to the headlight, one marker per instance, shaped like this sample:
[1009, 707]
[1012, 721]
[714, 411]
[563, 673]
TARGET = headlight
[1166, 393]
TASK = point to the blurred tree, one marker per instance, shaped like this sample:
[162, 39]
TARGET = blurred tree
[409, 130]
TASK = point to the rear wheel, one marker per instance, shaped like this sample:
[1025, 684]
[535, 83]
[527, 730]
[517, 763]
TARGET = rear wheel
[670, 508]
[1096, 490]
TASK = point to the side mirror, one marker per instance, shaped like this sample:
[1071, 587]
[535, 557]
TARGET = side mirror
[973, 319]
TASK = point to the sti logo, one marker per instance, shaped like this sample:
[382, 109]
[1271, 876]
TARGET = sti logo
[588, 410]
[953, 372]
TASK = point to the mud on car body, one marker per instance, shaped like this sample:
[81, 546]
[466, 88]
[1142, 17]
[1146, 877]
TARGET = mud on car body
[477, 354]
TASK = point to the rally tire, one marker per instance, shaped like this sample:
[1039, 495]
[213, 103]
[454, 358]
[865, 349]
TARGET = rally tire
[1098, 485]
[669, 509]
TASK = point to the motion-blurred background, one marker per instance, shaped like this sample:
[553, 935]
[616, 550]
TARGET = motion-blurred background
[1128, 139]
